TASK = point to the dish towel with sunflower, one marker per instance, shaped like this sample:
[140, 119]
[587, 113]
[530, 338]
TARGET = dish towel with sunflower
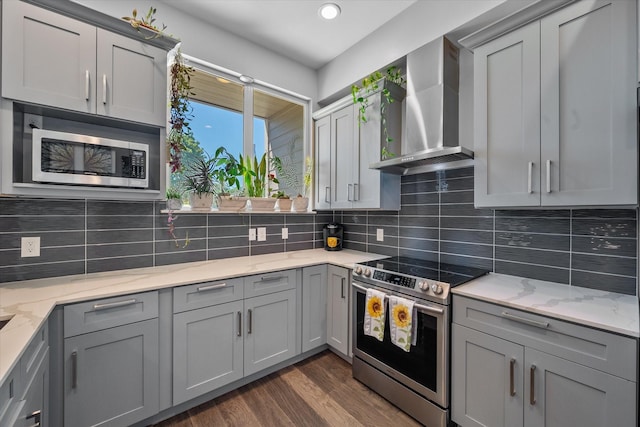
[402, 326]
[374, 314]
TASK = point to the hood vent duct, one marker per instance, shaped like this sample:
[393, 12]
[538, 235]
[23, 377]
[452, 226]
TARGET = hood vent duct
[430, 138]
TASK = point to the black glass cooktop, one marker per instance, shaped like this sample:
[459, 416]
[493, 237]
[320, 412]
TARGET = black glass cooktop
[448, 273]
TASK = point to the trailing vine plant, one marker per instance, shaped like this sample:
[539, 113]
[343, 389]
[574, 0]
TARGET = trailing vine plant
[371, 84]
[181, 111]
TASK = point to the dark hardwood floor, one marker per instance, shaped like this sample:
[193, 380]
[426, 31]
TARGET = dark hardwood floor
[318, 391]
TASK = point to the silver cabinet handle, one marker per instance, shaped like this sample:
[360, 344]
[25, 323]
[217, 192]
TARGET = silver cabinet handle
[342, 287]
[86, 84]
[548, 176]
[104, 89]
[271, 278]
[524, 320]
[211, 287]
[356, 192]
[532, 388]
[349, 190]
[74, 369]
[249, 320]
[327, 191]
[530, 178]
[239, 323]
[108, 305]
[512, 386]
[35, 415]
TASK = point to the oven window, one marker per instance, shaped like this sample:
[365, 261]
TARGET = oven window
[419, 364]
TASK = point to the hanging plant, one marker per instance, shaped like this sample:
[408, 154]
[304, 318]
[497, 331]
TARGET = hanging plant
[181, 111]
[371, 84]
[147, 22]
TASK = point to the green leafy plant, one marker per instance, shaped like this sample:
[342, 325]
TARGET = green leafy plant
[373, 83]
[180, 110]
[226, 172]
[308, 171]
[198, 174]
[254, 174]
[146, 21]
[174, 193]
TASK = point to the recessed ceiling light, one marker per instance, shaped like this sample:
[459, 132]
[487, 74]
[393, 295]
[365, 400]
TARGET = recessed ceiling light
[329, 11]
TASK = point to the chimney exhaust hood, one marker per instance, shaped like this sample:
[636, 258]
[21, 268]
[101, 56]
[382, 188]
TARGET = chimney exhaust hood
[430, 137]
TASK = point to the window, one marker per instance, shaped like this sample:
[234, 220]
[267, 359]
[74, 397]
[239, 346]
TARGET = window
[248, 119]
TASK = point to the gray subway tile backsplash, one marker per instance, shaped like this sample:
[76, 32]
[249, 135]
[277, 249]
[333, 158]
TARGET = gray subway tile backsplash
[595, 248]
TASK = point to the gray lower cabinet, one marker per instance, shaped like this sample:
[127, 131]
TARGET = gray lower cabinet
[207, 349]
[338, 309]
[515, 369]
[314, 307]
[35, 408]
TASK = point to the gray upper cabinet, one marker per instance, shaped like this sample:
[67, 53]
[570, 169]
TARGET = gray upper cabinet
[338, 309]
[53, 60]
[314, 307]
[556, 112]
[322, 178]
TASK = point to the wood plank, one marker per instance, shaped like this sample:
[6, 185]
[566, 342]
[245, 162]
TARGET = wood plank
[229, 410]
[264, 406]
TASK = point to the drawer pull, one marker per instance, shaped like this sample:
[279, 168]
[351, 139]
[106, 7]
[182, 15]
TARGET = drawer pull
[36, 415]
[74, 369]
[211, 287]
[108, 305]
[239, 324]
[249, 321]
[532, 389]
[512, 385]
[524, 320]
[271, 278]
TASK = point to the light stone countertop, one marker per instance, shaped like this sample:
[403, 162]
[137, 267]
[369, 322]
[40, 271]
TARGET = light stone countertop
[31, 301]
[608, 311]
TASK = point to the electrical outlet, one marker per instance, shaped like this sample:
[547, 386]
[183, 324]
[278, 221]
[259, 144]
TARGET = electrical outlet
[32, 121]
[285, 233]
[262, 234]
[30, 247]
[380, 234]
[252, 234]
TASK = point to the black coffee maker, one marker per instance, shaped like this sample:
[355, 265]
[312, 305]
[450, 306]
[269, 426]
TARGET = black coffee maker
[332, 234]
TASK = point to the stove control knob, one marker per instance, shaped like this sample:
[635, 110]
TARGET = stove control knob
[367, 272]
[358, 270]
[423, 286]
[437, 289]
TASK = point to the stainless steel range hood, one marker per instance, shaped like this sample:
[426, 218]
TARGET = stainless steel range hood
[430, 137]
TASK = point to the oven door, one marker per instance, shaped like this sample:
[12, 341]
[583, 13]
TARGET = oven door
[424, 369]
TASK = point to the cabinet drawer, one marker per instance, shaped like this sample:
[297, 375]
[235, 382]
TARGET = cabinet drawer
[263, 284]
[106, 313]
[9, 397]
[600, 350]
[206, 294]
[30, 360]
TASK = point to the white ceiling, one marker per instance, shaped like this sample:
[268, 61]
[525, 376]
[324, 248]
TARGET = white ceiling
[293, 27]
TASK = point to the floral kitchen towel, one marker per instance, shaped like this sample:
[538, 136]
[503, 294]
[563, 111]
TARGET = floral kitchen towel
[374, 314]
[402, 324]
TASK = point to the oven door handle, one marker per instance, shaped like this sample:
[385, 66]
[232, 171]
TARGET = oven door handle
[418, 306]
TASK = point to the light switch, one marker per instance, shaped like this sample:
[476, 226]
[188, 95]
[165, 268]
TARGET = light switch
[285, 233]
[262, 234]
[380, 234]
[252, 234]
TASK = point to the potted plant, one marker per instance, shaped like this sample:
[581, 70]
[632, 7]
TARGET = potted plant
[174, 199]
[294, 179]
[226, 172]
[284, 201]
[254, 174]
[199, 180]
[377, 81]
[301, 203]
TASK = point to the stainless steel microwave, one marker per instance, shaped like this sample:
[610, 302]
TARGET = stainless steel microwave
[68, 158]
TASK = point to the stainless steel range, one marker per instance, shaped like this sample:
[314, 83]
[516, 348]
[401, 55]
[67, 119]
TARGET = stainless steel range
[416, 381]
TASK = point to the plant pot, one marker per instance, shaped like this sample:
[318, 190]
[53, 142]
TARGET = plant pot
[263, 204]
[174, 204]
[231, 203]
[301, 204]
[284, 205]
[201, 201]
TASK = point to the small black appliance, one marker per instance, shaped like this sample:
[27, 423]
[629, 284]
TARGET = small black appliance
[332, 234]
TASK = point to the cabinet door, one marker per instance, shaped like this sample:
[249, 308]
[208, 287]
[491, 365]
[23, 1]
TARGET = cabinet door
[35, 410]
[589, 109]
[338, 309]
[207, 349]
[47, 58]
[562, 393]
[314, 307]
[344, 137]
[111, 376]
[486, 380]
[323, 163]
[507, 119]
[270, 331]
[132, 81]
